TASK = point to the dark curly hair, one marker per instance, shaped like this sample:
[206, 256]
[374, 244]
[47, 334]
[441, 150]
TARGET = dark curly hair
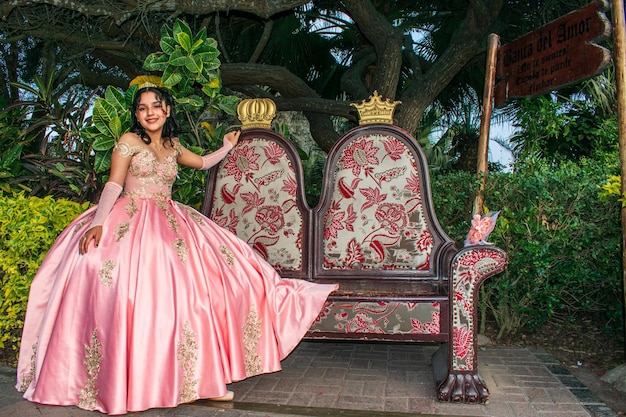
[171, 129]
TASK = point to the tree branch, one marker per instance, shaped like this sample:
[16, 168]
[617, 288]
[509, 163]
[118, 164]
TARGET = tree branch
[387, 41]
[268, 25]
[123, 10]
[468, 41]
[293, 94]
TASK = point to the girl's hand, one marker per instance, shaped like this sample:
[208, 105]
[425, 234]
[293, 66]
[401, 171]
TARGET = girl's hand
[233, 136]
[95, 233]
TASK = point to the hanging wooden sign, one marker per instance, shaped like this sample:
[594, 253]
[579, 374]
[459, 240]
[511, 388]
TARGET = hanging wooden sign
[555, 55]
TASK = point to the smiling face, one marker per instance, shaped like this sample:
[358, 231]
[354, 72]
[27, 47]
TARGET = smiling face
[151, 112]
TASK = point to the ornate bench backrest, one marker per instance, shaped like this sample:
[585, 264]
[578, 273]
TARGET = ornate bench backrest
[376, 211]
[256, 193]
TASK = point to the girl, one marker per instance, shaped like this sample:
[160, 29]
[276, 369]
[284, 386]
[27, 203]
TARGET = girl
[142, 302]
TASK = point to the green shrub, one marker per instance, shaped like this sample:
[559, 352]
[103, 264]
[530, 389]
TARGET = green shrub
[562, 238]
[28, 227]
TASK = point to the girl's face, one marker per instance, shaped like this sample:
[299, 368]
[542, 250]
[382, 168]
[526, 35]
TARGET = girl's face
[151, 112]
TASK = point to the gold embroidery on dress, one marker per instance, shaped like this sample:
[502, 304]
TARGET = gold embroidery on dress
[162, 197]
[228, 255]
[93, 358]
[171, 220]
[105, 275]
[187, 355]
[251, 337]
[80, 225]
[131, 208]
[121, 230]
[28, 378]
[181, 249]
[126, 150]
[193, 214]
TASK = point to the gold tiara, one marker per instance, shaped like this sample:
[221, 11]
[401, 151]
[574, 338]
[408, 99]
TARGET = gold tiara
[147, 84]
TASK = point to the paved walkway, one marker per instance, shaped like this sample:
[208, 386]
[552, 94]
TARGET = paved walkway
[357, 379]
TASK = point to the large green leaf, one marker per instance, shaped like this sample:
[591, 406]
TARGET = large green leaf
[194, 64]
[125, 119]
[103, 110]
[102, 161]
[200, 37]
[212, 43]
[212, 64]
[184, 40]
[204, 48]
[166, 31]
[168, 45]
[171, 76]
[181, 26]
[178, 58]
[227, 104]
[208, 56]
[115, 125]
[157, 61]
[115, 97]
[101, 127]
[104, 143]
[130, 96]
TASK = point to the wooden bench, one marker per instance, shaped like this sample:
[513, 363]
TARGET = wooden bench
[374, 231]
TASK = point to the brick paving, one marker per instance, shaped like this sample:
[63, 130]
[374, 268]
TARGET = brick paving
[357, 379]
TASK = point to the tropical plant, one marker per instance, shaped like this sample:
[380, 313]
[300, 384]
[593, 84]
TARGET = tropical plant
[10, 149]
[43, 137]
[560, 128]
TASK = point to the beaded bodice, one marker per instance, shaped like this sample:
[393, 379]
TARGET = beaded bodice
[149, 177]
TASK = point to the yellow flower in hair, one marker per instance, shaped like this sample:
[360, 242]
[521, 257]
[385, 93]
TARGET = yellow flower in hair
[143, 81]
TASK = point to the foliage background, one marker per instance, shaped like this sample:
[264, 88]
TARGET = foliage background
[28, 227]
[563, 239]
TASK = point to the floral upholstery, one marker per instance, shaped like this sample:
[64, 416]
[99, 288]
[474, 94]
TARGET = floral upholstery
[470, 268]
[375, 219]
[379, 318]
[255, 198]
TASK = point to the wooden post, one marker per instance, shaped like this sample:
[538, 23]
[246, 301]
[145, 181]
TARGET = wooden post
[620, 81]
[485, 121]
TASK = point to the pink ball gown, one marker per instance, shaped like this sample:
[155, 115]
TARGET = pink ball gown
[168, 309]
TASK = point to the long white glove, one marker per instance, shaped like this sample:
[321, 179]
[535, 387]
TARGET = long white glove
[213, 158]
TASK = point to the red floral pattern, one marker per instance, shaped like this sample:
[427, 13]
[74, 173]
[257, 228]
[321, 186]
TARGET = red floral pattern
[469, 269]
[376, 207]
[361, 155]
[388, 318]
[257, 201]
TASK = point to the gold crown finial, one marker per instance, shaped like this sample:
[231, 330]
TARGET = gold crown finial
[376, 110]
[256, 112]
